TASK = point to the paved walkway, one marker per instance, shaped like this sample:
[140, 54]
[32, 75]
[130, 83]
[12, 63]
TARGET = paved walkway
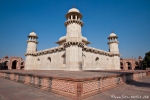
[139, 90]
[10, 90]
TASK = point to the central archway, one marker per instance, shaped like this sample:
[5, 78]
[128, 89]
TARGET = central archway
[14, 64]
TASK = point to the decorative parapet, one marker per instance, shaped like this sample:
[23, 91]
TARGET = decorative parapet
[73, 21]
[32, 54]
[94, 50]
[32, 41]
[113, 42]
[68, 44]
[51, 50]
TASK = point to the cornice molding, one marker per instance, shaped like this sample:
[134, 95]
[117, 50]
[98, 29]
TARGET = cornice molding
[98, 51]
[74, 21]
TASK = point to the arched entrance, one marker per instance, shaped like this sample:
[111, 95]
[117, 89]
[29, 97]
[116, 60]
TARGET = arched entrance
[5, 65]
[121, 66]
[136, 66]
[22, 65]
[14, 64]
[129, 66]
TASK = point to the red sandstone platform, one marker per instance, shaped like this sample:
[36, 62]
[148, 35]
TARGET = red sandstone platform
[76, 75]
[10, 90]
[74, 84]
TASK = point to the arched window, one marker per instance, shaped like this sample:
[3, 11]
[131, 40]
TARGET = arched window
[5, 65]
[14, 64]
[49, 58]
[96, 59]
[22, 63]
[129, 66]
[38, 59]
[64, 58]
[96, 64]
[74, 17]
[136, 63]
[121, 65]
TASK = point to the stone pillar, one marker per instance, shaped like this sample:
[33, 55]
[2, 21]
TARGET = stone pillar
[76, 16]
[71, 17]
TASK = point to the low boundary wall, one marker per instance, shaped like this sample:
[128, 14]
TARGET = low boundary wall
[74, 88]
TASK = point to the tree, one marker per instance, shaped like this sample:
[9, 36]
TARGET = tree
[146, 60]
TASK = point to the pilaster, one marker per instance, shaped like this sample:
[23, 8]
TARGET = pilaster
[74, 55]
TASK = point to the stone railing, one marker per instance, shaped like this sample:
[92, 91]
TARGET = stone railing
[73, 88]
[67, 44]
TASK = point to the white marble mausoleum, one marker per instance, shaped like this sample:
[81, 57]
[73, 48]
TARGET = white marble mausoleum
[72, 52]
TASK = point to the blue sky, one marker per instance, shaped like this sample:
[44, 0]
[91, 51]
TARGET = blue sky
[129, 19]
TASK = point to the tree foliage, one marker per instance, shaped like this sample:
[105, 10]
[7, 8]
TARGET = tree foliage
[146, 60]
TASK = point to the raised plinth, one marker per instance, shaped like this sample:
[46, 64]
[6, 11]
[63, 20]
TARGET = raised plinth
[76, 85]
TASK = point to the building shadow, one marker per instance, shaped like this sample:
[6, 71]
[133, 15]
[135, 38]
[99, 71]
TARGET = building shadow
[138, 84]
[109, 71]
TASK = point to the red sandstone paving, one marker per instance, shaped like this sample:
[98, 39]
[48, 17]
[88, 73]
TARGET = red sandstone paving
[10, 90]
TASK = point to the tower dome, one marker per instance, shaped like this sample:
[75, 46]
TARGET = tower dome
[113, 43]
[112, 35]
[73, 10]
[33, 34]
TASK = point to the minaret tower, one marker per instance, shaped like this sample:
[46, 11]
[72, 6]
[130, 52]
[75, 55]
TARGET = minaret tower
[74, 25]
[74, 44]
[113, 43]
[31, 43]
[113, 48]
[31, 49]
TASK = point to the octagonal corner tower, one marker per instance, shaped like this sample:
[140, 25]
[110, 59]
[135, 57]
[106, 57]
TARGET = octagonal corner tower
[73, 25]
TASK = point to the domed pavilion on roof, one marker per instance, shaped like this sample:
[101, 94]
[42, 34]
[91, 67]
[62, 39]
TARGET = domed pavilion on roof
[72, 52]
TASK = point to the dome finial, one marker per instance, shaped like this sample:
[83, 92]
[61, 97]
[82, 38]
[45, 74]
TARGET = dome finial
[112, 31]
[73, 6]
